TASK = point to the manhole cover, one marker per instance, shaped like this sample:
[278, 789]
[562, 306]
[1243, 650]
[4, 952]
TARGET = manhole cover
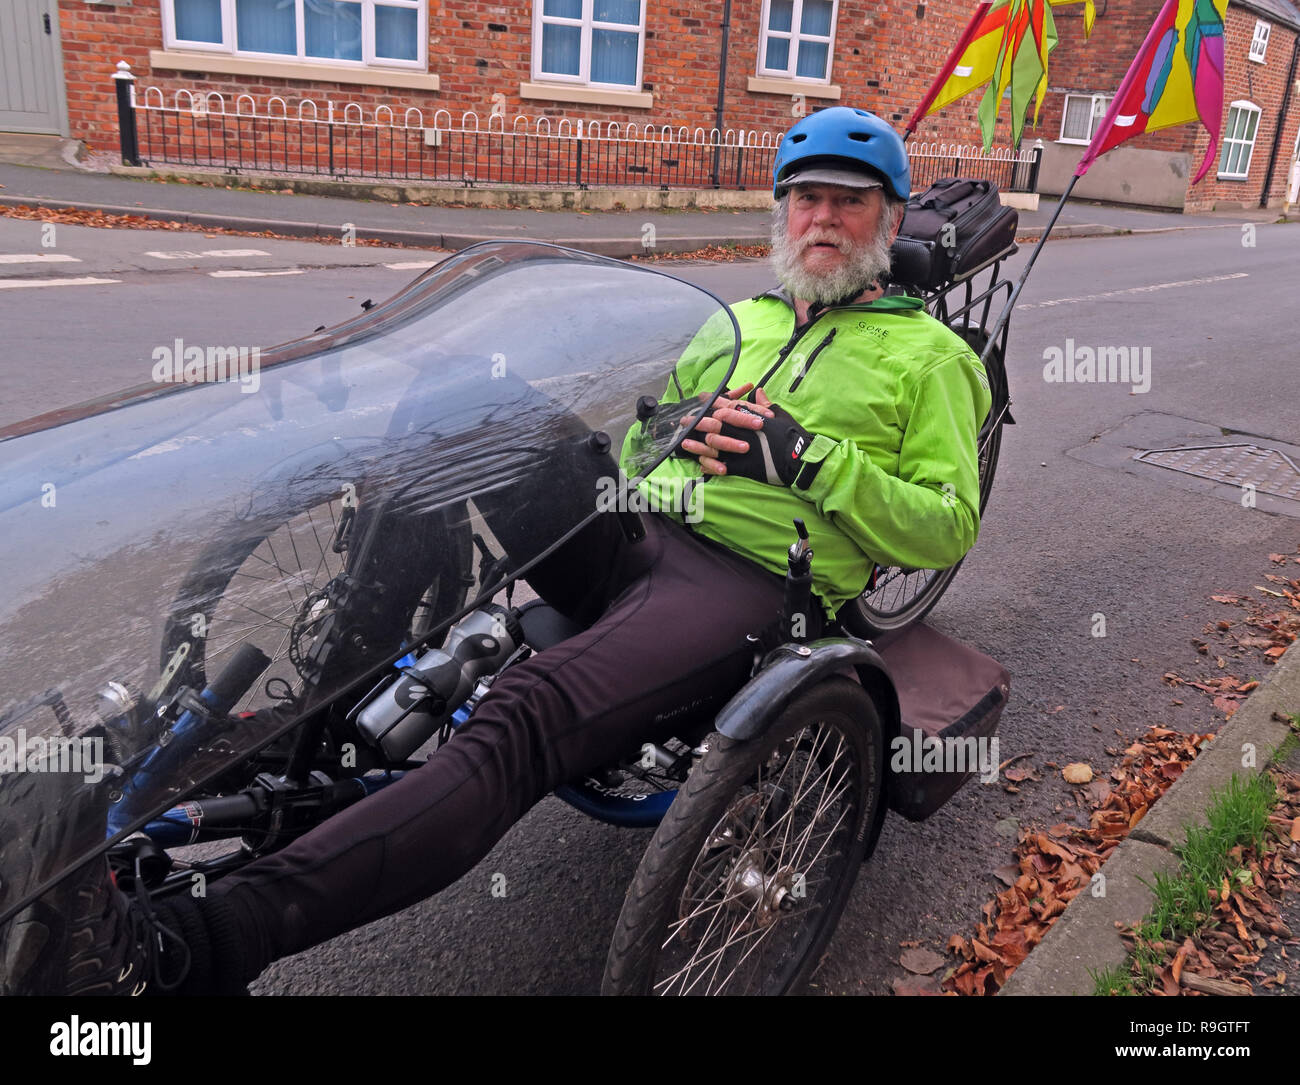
[1267, 469]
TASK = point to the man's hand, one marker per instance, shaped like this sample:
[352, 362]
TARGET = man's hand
[725, 429]
[760, 441]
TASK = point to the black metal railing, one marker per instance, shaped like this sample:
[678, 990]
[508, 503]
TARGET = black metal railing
[199, 130]
[1010, 170]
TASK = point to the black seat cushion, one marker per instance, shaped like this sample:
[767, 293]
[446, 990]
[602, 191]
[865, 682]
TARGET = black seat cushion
[544, 626]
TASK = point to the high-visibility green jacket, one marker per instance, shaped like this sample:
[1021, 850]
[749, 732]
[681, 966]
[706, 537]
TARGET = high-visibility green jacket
[895, 400]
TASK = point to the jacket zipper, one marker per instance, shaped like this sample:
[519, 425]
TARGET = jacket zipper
[782, 353]
[812, 358]
[794, 339]
[798, 334]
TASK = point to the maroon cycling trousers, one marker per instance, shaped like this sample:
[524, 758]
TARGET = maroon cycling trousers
[676, 612]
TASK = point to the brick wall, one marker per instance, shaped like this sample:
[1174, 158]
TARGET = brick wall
[886, 52]
[1264, 85]
[884, 57]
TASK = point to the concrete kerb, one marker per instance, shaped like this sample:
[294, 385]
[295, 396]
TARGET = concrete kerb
[611, 246]
[604, 246]
[1098, 229]
[614, 246]
[1086, 937]
[232, 222]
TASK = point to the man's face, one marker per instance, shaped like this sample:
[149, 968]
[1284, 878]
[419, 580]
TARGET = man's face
[829, 220]
[831, 241]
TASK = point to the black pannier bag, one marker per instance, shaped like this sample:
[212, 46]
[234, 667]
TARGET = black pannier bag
[928, 255]
[950, 698]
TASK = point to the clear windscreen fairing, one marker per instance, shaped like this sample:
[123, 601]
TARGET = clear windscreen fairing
[205, 565]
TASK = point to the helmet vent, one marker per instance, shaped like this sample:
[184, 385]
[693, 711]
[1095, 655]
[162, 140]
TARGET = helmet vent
[799, 138]
[861, 137]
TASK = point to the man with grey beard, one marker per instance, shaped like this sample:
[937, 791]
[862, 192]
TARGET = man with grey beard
[866, 260]
[850, 409]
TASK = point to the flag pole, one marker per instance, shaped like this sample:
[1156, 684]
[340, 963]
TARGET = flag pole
[1005, 315]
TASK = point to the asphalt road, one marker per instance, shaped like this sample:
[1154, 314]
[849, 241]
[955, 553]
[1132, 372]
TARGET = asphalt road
[1065, 538]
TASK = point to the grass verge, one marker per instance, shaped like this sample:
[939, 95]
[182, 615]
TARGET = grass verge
[1237, 819]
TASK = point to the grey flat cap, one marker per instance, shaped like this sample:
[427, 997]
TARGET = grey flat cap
[815, 176]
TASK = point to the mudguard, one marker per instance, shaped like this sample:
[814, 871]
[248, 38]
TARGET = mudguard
[935, 695]
[789, 670]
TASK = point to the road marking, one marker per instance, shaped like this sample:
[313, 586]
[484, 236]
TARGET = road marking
[1135, 290]
[87, 281]
[36, 258]
[220, 254]
[234, 273]
[411, 265]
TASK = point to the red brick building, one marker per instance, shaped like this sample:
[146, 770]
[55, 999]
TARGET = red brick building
[621, 61]
[661, 68]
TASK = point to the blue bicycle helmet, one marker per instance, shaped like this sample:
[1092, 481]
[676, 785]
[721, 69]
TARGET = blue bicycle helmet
[843, 138]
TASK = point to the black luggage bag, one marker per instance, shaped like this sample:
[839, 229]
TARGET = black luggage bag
[950, 698]
[950, 231]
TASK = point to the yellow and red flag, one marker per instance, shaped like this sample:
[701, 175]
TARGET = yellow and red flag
[969, 65]
[1021, 66]
[1176, 78]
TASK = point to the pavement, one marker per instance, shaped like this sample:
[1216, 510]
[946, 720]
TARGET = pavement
[1086, 938]
[45, 171]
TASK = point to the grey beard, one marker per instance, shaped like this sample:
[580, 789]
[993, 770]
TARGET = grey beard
[867, 262]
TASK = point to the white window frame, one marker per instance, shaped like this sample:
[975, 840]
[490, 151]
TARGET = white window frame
[794, 37]
[228, 44]
[588, 23]
[1094, 116]
[1244, 107]
[1259, 41]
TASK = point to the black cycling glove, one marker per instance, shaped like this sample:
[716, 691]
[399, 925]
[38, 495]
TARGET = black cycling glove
[775, 453]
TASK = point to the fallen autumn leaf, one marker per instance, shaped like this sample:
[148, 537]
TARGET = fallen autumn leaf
[1077, 773]
[921, 961]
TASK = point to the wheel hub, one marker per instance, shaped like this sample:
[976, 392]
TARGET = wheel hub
[763, 898]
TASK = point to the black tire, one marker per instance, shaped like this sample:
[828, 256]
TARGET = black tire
[902, 596]
[696, 853]
[267, 584]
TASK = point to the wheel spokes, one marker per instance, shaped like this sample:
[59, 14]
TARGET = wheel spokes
[763, 867]
[266, 599]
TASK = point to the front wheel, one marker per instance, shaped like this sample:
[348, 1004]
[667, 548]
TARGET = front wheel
[273, 583]
[746, 876]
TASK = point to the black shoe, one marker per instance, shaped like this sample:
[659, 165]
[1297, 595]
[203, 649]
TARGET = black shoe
[86, 937]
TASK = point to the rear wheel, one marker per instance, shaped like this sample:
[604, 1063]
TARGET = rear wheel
[746, 876]
[899, 596]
